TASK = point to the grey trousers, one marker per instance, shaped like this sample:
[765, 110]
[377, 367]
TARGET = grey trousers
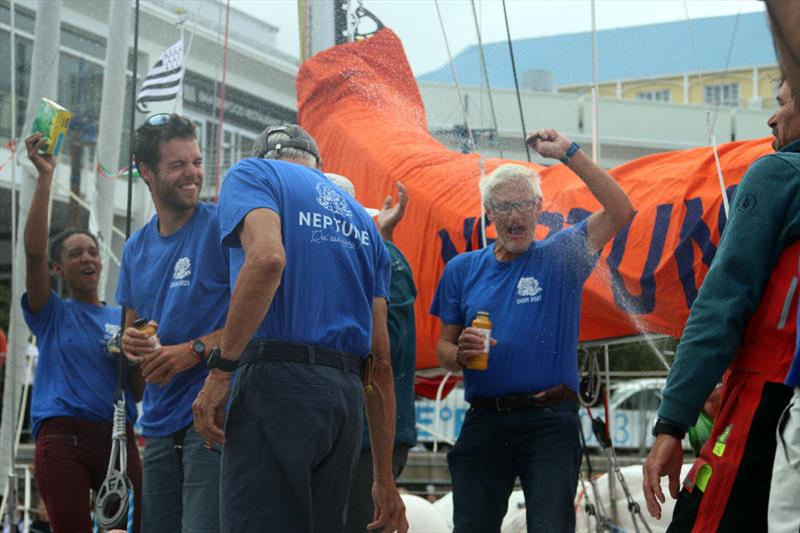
[784, 492]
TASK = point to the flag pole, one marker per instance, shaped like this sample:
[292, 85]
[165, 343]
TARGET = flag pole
[220, 137]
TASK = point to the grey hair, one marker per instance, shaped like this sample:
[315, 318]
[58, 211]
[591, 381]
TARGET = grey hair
[297, 155]
[510, 173]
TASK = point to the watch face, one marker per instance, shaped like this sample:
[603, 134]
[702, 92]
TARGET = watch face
[199, 347]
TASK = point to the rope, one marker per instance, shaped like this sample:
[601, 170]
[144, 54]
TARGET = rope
[222, 99]
[470, 139]
[711, 124]
[591, 392]
[485, 72]
[516, 82]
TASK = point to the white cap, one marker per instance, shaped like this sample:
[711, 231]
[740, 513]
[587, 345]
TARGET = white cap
[348, 186]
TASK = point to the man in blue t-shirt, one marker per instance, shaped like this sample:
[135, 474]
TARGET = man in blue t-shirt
[523, 419]
[174, 273]
[309, 305]
[72, 408]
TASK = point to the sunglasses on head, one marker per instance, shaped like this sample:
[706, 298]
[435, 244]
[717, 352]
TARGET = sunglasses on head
[158, 119]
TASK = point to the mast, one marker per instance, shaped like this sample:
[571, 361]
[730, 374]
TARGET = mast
[44, 77]
[109, 135]
[322, 25]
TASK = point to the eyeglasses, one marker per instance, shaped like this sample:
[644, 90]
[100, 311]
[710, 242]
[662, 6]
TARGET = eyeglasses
[505, 208]
[158, 119]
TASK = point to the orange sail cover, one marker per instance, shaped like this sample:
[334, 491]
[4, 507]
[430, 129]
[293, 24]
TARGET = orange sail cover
[361, 103]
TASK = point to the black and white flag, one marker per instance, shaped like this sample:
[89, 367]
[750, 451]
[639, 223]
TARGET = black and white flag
[163, 81]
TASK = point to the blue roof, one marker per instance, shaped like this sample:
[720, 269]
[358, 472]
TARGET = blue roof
[624, 53]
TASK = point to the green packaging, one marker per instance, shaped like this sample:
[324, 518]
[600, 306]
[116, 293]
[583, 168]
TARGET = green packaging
[51, 121]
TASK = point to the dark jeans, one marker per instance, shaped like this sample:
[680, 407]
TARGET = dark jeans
[71, 458]
[181, 484]
[292, 437]
[538, 444]
[361, 508]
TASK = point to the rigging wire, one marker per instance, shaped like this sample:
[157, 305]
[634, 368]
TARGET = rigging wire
[461, 103]
[595, 95]
[485, 72]
[11, 360]
[115, 505]
[516, 82]
[218, 177]
[711, 123]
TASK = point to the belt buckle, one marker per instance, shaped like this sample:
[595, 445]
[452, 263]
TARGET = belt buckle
[497, 405]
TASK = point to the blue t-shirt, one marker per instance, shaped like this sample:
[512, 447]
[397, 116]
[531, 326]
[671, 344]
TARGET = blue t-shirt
[75, 376]
[336, 262]
[534, 303]
[181, 282]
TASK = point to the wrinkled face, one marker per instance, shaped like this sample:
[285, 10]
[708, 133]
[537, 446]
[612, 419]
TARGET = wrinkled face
[80, 263]
[785, 122]
[514, 211]
[178, 178]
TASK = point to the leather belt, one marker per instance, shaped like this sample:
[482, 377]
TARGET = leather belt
[557, 394]
[295, 352]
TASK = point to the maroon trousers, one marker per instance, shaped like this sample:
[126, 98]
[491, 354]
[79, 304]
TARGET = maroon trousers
[71, 458]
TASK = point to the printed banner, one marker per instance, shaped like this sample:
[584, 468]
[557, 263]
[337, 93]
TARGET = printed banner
[361, 103]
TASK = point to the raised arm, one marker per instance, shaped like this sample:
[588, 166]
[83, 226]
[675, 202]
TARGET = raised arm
[617, 209]
[37, 273]
[390, 215]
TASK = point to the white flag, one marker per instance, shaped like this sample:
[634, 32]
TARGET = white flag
[164, 79]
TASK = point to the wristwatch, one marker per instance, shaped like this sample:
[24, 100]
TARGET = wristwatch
[666, 427]
[198, 349]
[574, 147]
[215, 360]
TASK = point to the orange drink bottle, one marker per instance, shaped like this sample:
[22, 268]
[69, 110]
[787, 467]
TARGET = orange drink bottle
[482, 323]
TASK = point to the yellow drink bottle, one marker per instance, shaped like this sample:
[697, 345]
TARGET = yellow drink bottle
[482, 323]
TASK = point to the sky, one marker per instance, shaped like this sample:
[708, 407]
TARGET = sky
[417, 24]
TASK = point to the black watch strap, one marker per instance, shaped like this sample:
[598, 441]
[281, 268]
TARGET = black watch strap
[216, 361]
[665, 427]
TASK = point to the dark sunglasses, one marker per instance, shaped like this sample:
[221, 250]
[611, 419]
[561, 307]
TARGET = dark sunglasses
[158, 119]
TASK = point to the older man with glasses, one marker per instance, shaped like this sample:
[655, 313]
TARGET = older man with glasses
[523, 419]
[174, 273]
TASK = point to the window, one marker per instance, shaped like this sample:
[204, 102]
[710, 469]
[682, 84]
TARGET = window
[723, 94]
[236, 145]
[645, 400]
[662, 95]
[24, 52]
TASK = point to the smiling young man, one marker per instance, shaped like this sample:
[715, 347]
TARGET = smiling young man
[175, 273]
[73, 400]
[523, 419]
